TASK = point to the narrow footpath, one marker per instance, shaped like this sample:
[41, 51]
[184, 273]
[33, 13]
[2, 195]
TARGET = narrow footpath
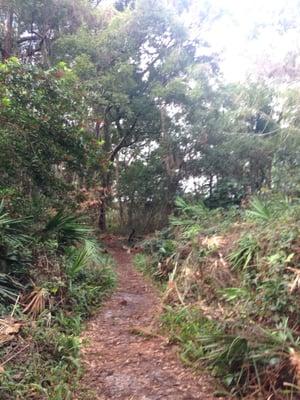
[119, 363]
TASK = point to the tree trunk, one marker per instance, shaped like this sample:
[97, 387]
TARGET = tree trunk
[102, 217]
[269, 173]
[97, 129]
[210, 186]
[171, 164]
[130, 214]
[106, 181]
[104, 196]
[121, 209]
[7, 48]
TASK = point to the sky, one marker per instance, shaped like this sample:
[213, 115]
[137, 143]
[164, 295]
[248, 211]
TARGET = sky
[250, 34]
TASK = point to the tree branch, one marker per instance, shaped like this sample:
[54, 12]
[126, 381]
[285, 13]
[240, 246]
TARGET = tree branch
[123, 141]
[32, 37]
[27, 39]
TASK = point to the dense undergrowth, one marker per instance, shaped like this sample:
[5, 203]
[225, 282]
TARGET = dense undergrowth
[232, 297]
[54, 275]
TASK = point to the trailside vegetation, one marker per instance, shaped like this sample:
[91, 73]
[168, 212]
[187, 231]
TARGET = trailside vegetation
[231, 301]
[116, 117]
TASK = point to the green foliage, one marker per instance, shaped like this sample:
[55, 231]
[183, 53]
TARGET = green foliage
[70, 276]
[241, 312]
[234, 294]
[116, 106]
[259, 210]
[144, 185]
[239, 361]
[48, 373]
[50, 368]
[185, 324]
[12, 230]
[244, 255]
[193, 218]
[270, 208]
[13, 255]
[141, 261]
[80, 259]
[89, 288]
[68, 229]
[167, 248]
[36, 134]
[149, 267]
[9, 288]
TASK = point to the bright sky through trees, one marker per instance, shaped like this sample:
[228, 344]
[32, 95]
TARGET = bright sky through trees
[251, 33]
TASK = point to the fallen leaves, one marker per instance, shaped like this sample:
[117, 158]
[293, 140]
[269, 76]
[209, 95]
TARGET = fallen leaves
[9, 327]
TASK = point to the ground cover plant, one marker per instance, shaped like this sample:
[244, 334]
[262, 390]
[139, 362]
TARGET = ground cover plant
[231, 301]
[45, 305]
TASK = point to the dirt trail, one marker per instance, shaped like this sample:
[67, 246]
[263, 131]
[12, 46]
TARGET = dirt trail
[120, 364]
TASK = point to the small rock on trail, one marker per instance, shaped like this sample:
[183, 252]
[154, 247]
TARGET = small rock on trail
[121, 365]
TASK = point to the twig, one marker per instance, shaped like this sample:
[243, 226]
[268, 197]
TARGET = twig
[179, 294]
[15, 306]
[14, 355]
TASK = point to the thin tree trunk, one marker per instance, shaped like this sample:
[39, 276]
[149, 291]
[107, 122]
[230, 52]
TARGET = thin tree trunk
[97, 129]
[106, 181]
[170, 162]
[7, 49]
[104, 196]
[121, 210]
[102, 217]
[269, 174]
[210, 186]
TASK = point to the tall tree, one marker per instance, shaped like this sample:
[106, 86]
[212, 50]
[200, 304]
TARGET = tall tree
[30, 27]
[135, 60]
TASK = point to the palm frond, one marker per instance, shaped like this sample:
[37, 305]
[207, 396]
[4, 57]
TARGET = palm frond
[36, 301]
[69, 229]
[259, 210]
[241, 257]
[9, 288]
[89, 254]
[12, 230]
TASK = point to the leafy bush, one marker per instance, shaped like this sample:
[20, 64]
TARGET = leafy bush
[191, 217]
[14, 258]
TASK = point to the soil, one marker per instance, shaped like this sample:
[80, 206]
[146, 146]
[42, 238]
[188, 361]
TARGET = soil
[122, 364]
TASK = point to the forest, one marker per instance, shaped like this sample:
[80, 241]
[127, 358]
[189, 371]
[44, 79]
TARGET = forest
[148, 200]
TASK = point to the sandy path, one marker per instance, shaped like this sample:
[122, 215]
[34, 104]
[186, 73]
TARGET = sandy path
[120, 364]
